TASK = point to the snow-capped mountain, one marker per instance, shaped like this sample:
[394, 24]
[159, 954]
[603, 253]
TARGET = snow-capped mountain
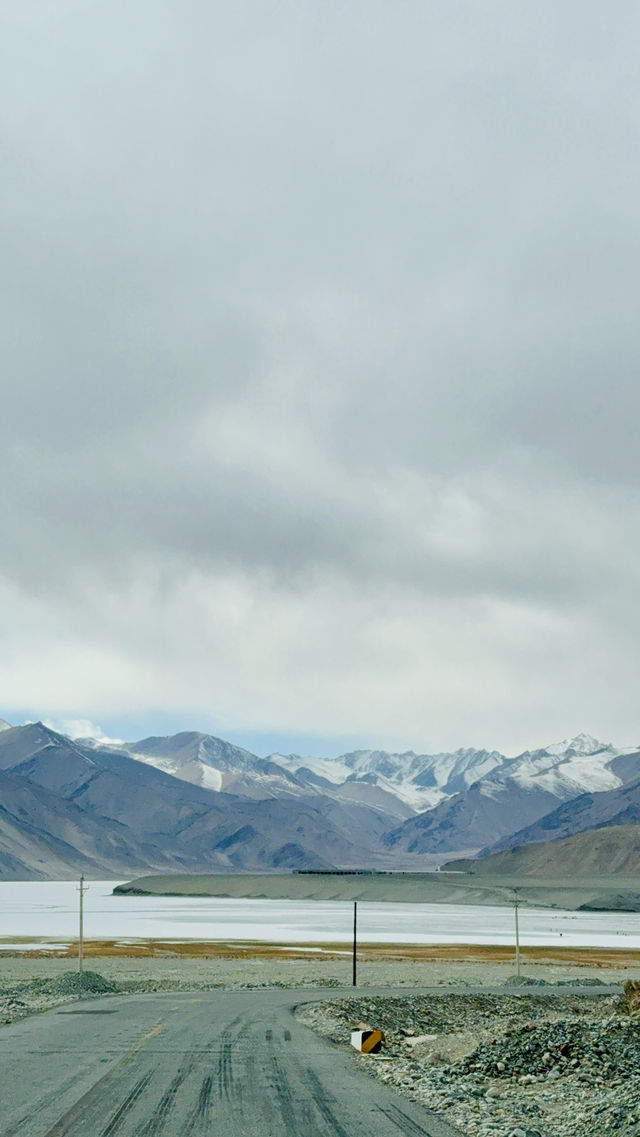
[515, 795]
[568, 768]
[69, 807]
[419, 780]
[215, 764]
[601, 809]
[396, 784]
[584, 744]
[196, 801]
[483, 788]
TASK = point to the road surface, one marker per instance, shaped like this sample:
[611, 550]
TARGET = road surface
[228, 1063]
[221, 1063]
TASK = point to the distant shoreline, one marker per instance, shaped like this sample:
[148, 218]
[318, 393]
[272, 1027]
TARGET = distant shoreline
[614, 894]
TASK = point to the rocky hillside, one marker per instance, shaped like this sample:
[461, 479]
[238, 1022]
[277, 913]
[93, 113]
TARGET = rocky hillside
[620, 806]
[603, 852]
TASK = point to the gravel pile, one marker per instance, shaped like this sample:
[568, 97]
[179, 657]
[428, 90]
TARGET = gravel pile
[188, 983]
[12, 1008]
[528, 981]
[42, 993]
[74, 983]
[551, 1049]
[512, 1066]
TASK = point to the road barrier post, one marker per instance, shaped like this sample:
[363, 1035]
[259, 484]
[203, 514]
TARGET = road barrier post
[367, 1041]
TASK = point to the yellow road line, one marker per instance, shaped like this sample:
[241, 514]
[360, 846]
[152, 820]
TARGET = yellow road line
[137, 1046]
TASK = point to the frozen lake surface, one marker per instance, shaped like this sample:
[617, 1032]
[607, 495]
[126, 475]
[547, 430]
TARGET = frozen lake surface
[49, 910]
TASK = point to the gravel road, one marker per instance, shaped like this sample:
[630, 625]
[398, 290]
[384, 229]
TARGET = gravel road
[186, 1065]
[541, 1060]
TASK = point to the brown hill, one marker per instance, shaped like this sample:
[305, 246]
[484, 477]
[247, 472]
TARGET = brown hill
[592, 853]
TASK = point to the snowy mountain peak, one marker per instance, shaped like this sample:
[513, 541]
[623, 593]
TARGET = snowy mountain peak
[584, 744]
[418, 780]
[4, 725]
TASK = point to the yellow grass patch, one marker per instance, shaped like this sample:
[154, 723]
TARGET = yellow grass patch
[426, 953]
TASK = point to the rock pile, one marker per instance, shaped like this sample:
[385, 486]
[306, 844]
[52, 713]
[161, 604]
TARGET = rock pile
[507, 1066]
[11, 1009]
[74, 983]
[41, 994]
[547, 1049]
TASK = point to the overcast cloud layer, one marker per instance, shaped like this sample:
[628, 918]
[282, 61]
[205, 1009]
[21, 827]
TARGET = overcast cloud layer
[320, 368]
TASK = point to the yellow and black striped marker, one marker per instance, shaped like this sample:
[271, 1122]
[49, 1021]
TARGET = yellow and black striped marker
[367, 1041]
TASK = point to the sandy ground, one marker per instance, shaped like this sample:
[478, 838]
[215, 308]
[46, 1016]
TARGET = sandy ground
[240, 965]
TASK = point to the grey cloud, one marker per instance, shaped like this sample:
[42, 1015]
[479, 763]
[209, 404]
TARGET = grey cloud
[334, 302]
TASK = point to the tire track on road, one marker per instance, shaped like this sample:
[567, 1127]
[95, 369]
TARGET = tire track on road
[403, 1122]
[407, 1125]
[128, 1104]
[156, 1122]
[44, 1103]
[284, 1097]
[63, 1125]
[225, 1080]
[320, 1096]
[201, 1116]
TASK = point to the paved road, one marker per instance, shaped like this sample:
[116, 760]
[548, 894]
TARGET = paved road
[232, 1063]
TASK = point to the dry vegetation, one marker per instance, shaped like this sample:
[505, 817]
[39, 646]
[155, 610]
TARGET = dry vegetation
[423, 953]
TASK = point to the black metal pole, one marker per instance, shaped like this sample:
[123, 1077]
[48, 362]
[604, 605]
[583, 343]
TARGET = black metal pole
[355, 939]
[515, 908]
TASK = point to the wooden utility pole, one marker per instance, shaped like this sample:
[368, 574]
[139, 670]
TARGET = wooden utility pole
[82, 889]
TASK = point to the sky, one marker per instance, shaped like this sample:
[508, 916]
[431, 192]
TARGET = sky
[319, 381]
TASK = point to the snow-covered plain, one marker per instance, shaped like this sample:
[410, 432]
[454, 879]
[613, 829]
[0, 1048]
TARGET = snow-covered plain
[49, 910]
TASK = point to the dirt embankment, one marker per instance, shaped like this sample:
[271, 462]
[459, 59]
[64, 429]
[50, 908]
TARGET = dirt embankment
[501, 1066]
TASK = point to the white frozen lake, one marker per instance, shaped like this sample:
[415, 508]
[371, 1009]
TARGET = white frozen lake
[50, 910]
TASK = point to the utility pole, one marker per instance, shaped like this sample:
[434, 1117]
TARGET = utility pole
[355, 939]
[516, 901]
[82, 889]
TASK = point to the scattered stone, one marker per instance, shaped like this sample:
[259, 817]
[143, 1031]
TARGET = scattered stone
[566, 1066]
[632, 996]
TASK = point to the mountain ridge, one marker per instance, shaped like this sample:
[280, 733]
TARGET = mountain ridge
[513, 797]
[160, 821]
[192, 802]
